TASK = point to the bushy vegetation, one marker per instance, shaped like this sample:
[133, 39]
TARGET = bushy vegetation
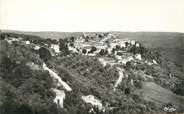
[179, 88]
[24, 90]
[15, 35]
[63, 47]
[88, 76]
[146, 53]
[44, 54]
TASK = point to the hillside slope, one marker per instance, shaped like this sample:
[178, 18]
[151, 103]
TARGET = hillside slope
[96, 73]
[155, 93]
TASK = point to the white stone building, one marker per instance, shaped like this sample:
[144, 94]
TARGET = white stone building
[60, 96]
[55, 47]
[93, 101]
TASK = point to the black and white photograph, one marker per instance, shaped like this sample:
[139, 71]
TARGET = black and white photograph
[91, 56]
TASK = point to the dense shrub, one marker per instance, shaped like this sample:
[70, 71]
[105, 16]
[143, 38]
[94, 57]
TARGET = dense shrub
[63, 46]
[179, 88]
[24, 91]
[44, 54]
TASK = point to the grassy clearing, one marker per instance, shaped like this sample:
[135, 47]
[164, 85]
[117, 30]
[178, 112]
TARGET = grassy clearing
[159, 95]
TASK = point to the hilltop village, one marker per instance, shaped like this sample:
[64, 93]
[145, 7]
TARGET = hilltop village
[99, 69]
[109, 48]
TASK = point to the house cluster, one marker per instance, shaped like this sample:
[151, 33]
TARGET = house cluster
[103, 44]
[10, 40]
[109, 48]
[54, 46]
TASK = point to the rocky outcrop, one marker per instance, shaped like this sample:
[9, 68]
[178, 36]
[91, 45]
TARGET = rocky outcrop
[60, 94]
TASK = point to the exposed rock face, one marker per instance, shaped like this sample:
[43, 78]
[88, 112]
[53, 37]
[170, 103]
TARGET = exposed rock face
[56, 77]
[125, 60]
[138, 57]
[55, 47]
[121, 75]
[27, 42]
[104, 63]
[93, 101]
[60, 96]
[36, 47]
[154, 61]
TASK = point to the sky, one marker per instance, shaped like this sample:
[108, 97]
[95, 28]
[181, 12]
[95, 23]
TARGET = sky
[92, 15]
